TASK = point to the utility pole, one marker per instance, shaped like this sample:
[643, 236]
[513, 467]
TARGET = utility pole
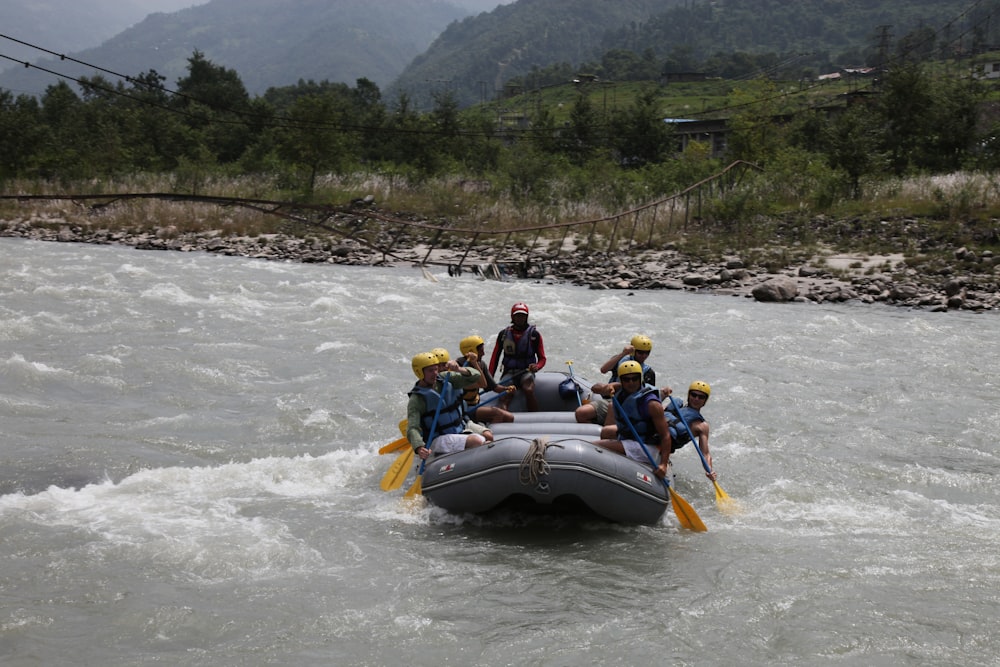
[883, 53]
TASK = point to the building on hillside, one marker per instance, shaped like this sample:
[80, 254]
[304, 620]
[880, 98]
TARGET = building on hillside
[987, 70]
[682, 77]
[713, 132]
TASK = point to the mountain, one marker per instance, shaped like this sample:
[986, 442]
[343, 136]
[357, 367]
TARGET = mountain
[268, 42]
[473, 47]
[472, 58]
[66, 26]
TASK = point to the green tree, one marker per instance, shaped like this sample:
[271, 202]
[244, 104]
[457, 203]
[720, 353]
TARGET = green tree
[217, 106]
[61, 153]
[640, 135]
[852, 145]
[21, 131]
[155, 132]
[313, 138]
[754, 134]
[581, 139]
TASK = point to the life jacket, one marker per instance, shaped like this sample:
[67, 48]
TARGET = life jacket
[517, 354]
[636, 409]
[450, 419]
[471, 394]
[679, 435]
[648, 374]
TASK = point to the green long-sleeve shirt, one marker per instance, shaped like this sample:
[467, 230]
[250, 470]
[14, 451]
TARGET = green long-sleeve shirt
[417, 406]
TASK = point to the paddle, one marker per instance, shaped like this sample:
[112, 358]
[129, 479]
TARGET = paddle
[399, 444]
[398, 471]
[722, 499]
[578, 401]
[686, 515]
[417, 487]
[393, 446]
[396, 445]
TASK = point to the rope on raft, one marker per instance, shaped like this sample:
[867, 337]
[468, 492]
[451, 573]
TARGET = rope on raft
[534, 465]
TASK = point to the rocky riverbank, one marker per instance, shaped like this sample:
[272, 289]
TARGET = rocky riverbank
[968, 283]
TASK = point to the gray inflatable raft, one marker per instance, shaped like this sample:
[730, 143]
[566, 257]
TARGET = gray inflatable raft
[545, 461]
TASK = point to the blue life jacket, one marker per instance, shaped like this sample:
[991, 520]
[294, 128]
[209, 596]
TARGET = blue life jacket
[470, 395]
[679, 435]
[450, 419]
[517, 355]
[648, 374]
[636, 408]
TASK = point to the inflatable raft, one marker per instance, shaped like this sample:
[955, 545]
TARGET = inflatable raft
[546, 462]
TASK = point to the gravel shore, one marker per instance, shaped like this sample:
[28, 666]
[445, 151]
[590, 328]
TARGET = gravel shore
[970, 283]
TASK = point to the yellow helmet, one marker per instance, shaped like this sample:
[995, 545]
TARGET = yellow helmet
[442, 355]
[470, 343]
[642, 343]
[421, 361]
[699, 385]
[629, 368]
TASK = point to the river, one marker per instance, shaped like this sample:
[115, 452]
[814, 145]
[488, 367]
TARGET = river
[190, 476]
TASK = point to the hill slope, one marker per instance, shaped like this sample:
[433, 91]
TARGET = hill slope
[483, 51]
[267, 43]
[486, 50]
[67, 26]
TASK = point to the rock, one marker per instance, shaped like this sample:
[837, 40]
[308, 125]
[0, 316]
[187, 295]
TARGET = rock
[778, 289]
[693, 280]
[954, 286]
[904, 292]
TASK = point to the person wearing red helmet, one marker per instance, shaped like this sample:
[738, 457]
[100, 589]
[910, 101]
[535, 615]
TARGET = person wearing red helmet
[520, 353]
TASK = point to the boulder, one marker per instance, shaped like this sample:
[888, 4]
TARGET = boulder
[693, 279]
[778, 289]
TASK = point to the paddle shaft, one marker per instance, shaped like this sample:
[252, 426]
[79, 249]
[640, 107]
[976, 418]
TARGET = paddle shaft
[445, 391]
[489, 400]
[686, 515]
[579, 402]
[635, 434]
[694, 440]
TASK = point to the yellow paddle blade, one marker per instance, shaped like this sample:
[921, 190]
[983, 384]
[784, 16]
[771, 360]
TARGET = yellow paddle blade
[394, 446]
[403, 425]
[398, 471]
[685, 513]
[725, 504]
[416, 489]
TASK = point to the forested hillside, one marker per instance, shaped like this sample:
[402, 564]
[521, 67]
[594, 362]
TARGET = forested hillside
[473, 58]
[725, 38]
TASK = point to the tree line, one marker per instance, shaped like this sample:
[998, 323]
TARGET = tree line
[918, 122]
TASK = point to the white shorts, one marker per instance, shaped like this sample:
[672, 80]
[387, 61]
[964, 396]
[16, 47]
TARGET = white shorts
[451, 442]
[634, 450]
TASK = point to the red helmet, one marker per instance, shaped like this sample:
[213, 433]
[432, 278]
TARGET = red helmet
[519, 307]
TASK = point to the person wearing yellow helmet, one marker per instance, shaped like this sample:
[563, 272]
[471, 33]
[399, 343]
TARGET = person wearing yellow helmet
[435, 419]
[442, 356]
[520, 347]
[641, 415]
[473, 349]
[697, 397]
[595, 411]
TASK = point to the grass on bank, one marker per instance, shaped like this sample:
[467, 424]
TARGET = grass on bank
[923, 218]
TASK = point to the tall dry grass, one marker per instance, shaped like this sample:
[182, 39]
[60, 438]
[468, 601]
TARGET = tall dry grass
[718, 226]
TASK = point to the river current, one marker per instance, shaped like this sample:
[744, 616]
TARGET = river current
[189, 476]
